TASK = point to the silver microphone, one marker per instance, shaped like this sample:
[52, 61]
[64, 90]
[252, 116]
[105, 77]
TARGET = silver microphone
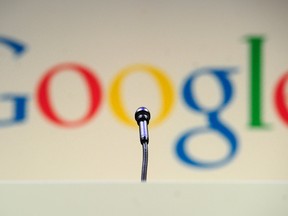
[142, 116]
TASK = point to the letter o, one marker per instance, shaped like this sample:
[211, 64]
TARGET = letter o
[44, 100]
[165, 88]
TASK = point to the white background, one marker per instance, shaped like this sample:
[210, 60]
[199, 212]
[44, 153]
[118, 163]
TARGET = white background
[106, 36]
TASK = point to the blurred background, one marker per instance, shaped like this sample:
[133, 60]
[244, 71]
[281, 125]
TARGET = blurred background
[212, 73]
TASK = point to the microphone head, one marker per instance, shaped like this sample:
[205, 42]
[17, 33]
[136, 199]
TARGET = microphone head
[142, 114]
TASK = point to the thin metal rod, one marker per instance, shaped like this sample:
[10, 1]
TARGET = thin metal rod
[144, 162]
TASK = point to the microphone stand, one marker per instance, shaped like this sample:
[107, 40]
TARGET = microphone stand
[144, 162]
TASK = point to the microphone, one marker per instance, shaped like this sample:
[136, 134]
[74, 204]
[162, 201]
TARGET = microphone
[142, 116]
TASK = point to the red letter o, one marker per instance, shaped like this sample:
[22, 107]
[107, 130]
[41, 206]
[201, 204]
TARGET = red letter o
[44, 100]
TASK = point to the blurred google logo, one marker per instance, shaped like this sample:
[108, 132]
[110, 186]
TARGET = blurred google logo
[190, 99]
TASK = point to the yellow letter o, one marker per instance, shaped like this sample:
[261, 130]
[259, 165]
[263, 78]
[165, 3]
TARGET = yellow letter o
[165, 87]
